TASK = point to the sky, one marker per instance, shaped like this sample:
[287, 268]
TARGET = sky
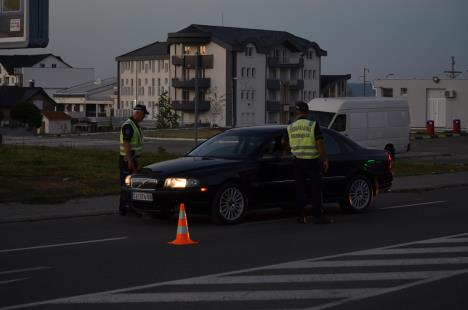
[395, 38]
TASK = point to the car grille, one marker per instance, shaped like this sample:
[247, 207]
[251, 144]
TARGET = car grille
[144, 183]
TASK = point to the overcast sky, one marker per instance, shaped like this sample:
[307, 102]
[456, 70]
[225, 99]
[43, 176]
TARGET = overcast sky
[409, 38]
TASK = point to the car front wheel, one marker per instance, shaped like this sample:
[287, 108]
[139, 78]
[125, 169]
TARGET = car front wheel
[229, 204]
[358, 196]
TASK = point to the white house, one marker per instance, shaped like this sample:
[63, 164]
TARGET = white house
[439, 100]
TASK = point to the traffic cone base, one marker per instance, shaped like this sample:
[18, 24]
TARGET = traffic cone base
[182, 236]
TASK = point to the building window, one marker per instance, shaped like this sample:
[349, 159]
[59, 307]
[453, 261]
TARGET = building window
[166, 67]
[248, 72]
[404, 91]
[54, 65]
[387, 92]
[146, 81]
[166, 81]
[253, 95]
[253, 72]
[314, 73]
[42, 65]
[242, 94]
[203, 49]
[248, 51]
[313, 94]
[242, 72]
[185, 94]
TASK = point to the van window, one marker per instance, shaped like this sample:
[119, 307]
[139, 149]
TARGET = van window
[358, 120]
[377, 119]
[323, 118]
[340, 123]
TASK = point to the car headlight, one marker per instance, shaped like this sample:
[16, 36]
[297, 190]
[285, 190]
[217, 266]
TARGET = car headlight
[128, 181]
[180, 183]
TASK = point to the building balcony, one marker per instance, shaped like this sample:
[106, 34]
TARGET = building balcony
[273, 106]
[189, 61]
[273, 84]
[296, 85]
[189, 105]
[202, 83]
[285, 62]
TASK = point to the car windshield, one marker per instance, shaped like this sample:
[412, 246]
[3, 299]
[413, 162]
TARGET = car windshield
[231, 145]
[323, 118]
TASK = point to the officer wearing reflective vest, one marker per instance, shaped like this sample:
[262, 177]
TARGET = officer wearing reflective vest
[131, 142]
[310, 157]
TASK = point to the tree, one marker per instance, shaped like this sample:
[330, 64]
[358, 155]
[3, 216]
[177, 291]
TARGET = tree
[216, 106]
[166, 117]
[27, 113]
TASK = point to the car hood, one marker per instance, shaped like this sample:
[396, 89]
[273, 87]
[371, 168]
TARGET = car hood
[189, 166]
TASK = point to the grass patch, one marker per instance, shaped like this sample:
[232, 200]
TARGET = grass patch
[56, 174]
[406, 167]
[186, 133]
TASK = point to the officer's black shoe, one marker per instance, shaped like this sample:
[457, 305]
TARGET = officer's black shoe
[323, 220]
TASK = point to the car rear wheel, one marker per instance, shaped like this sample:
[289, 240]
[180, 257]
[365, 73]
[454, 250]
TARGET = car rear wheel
[229, 204]
[358, 196]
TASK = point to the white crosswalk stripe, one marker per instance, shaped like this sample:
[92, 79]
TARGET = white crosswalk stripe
[360, 274]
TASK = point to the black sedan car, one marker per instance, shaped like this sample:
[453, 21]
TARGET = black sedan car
[248, 168]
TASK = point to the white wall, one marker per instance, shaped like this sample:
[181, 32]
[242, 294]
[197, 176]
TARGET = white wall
[250, 111]
[417, 90]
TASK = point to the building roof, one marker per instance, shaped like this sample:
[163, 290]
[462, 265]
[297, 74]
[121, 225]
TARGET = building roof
[12, 95]
[56, 116]
[92, 89]
[10, 62]
[237, 38]
[156, 50]
[326, 81]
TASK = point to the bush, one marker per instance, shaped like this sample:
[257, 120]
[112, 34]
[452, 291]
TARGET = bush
[27, 113]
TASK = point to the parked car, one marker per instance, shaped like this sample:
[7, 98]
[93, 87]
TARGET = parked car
[249, 168]
[373, 122]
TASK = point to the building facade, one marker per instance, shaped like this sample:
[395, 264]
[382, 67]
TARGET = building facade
[439, 100]
[143, 76]
[47, 71]
[245, 76]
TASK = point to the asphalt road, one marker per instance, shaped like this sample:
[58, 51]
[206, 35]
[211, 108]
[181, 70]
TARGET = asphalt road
[409, 252]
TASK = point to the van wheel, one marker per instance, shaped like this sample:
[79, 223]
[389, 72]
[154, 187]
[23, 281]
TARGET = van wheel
[358, 196]
[391, 150]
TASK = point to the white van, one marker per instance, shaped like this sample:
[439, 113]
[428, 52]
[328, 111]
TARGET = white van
[373, 122]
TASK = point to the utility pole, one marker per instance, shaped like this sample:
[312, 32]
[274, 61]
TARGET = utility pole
[197, 75]
[452, 73]
[364, 82]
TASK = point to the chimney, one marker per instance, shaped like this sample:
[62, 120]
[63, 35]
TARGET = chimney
[31, 83]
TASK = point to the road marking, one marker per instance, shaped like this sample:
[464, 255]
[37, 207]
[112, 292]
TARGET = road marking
[129, 293]
[219, 296]
[414, 204]
[60, 244]
[325, 277]
[454, 249]
[378, 262]
[13, 280]
[23, 270]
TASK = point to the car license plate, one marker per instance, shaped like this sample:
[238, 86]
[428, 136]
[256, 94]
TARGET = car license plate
[142, 196]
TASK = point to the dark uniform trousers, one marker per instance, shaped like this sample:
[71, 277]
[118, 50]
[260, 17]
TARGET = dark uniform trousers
[308, 173]
[124, 172]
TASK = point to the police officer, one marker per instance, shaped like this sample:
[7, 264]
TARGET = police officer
[310, 156]
[131, 142]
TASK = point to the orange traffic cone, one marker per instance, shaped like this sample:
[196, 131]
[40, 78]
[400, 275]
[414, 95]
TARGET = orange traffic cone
[183, 236]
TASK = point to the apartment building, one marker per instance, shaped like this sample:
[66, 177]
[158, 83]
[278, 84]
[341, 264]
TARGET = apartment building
[47, 71]
[143, 75]
[246, 76]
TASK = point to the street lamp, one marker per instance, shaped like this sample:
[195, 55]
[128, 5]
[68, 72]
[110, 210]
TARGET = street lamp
[234, 79]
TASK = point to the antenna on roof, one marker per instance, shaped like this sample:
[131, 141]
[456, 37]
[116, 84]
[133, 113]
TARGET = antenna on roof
[222, 19]
[452, 73]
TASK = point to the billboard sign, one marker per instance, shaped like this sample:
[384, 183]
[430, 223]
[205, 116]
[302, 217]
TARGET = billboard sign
[24, 23]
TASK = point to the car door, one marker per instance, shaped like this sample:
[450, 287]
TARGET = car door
[275, 180]
[340, 163]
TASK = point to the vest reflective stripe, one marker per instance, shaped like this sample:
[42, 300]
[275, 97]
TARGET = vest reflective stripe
[302, 139]
[136, 142]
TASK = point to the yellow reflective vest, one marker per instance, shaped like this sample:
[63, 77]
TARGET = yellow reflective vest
[136, 142]
[301, 135]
